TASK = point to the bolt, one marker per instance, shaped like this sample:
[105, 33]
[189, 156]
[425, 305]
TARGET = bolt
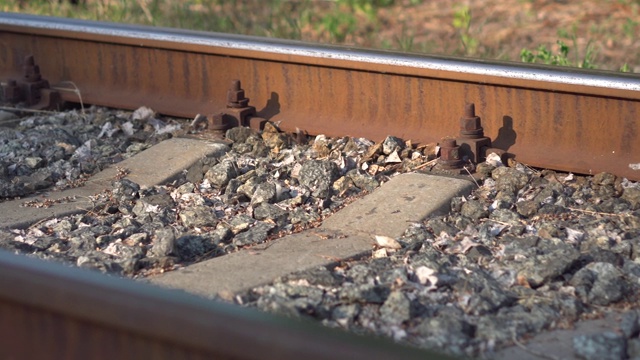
[470, 110]
[31, 70]
[11, 91]
[470, 125]
[235, 96]
[449, 154]
[219, 123]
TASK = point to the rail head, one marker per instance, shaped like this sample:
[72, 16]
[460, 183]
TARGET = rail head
[533, 76]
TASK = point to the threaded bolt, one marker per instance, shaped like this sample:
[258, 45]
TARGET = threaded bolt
[449, 154]
[235, 96]
[11, 92]
[31, 70]
[219, 123]
[470, 124]
[448, 143]
[469, 110]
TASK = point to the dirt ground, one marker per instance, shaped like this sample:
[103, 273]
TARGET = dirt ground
[605, 32]
[503, 28]
[500, 29]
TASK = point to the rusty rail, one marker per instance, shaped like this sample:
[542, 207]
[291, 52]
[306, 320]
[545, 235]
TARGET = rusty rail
[550, 117]
[567, 119]
[50, 311]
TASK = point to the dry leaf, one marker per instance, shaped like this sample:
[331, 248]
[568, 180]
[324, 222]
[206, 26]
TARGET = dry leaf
[387, 242]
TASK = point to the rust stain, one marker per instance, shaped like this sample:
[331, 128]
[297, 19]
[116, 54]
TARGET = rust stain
[567, 130]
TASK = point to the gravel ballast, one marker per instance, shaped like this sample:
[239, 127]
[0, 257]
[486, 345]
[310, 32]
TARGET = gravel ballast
[253, 186]
[528, 250]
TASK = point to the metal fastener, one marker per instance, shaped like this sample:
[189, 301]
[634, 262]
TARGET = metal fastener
[31, 70]
[470, 125]
[472, 140]
[219, 123]
[238, 111]
[449, 154]
[235, 96]
[11, 92]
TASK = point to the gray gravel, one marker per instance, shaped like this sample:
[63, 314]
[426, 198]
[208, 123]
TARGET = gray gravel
[253, 188]
[62, 150]
[527, 251]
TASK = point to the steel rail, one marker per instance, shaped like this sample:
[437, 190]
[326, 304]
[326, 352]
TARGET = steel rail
[50, 311]
[560, 118]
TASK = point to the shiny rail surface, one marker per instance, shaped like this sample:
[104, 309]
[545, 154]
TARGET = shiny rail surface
[51, 311]
[559, 118]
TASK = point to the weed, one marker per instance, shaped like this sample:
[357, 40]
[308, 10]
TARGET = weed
[405, 40]
[340, 20]
[344, 21]
[629, 28]
[462, 23]
[545, 56]
[338, 25]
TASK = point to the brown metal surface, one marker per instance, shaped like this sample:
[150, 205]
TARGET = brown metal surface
[33, 333]
[565, 119]
[473, 143]
[50, 311]
[31, 90]
[450, 154]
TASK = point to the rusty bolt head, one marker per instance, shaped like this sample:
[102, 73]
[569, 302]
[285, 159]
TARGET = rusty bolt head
[219, 122]
[11, 92]
[448, 143]
[470, 124]
[235, 96]
[449, 154]
[449, 149]
[32, 73]
[31, 70]
[469, 110]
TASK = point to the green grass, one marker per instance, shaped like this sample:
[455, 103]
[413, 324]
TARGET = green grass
[543, 55]
[462, 23]
[351, 22]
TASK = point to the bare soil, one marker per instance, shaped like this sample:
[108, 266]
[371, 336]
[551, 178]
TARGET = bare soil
[498, 29]
[502, 28]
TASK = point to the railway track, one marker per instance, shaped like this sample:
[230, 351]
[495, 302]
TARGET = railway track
[558, 118]
[563, 119]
